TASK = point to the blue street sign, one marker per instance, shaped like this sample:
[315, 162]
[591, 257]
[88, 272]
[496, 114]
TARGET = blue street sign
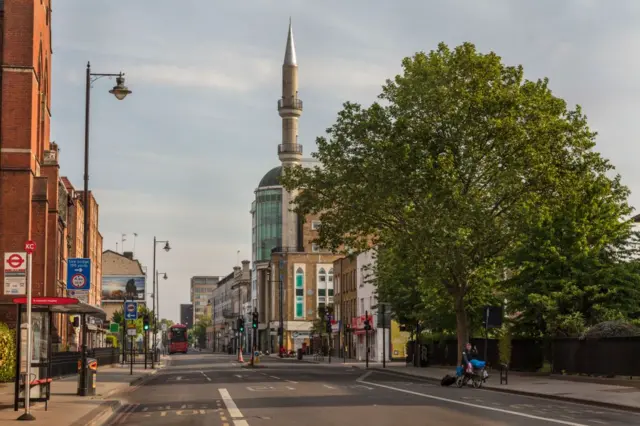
[131, 311]
[78, 274]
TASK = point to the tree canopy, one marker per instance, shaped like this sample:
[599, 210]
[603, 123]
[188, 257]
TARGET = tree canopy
[455, 161]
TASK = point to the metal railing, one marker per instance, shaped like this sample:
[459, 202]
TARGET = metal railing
[66, 363]
[290, 149]
[289, 103]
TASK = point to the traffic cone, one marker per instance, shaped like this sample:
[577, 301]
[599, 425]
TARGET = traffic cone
[240, 358]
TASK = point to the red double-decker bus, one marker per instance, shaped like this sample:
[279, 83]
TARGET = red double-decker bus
[178, 341]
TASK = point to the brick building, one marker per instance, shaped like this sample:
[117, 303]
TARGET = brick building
[345, 272]
[33, 200]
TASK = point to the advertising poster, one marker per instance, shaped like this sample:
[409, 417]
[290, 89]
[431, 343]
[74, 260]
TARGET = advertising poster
[399, 341]
[115, 288]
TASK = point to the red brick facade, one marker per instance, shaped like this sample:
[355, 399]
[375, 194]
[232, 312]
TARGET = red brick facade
[32, 201]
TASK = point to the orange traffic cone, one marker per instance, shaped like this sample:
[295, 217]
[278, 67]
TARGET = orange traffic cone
[240, 358]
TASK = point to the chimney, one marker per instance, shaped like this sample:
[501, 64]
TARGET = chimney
[128, 255]
[245, 265]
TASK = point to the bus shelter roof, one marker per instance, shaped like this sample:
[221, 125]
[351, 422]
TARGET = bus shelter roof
[64, 305]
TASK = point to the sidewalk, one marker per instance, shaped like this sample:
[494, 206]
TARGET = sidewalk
[601, 394]
[66, 408]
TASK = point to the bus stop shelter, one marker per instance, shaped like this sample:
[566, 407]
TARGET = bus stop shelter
[42, 310]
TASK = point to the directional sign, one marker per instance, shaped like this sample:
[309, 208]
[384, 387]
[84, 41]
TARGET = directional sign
[114, 327]
[78, 274]
[131, 310]
[15, 274]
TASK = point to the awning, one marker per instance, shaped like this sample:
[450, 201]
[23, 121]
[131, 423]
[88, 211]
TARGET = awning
[64, 305]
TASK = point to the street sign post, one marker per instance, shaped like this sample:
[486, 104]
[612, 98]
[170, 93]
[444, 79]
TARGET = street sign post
[130, 310]
[114, 327]
[29, 248]
[15, 274]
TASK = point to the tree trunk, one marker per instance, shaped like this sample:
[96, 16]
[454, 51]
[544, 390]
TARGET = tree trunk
[462, 324]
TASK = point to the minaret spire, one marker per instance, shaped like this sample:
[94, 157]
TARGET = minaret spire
[290, 54]
[290, 106]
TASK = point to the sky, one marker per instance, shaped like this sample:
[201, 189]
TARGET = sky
[180, 158]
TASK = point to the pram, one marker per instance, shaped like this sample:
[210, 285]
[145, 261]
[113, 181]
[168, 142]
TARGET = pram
[478, 375]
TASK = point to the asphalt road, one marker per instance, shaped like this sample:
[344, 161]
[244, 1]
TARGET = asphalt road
[204, 389]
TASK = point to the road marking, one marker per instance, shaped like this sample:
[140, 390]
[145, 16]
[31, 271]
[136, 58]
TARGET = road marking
[238, 376]
[122, 414]
[291, 388]
[328, 387]
[232, 408]
[274, 377]
[291, 381]
[482, 407]
[205, 376]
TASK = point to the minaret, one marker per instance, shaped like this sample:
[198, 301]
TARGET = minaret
[290, 106]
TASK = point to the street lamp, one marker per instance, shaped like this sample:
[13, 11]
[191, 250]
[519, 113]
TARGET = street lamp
[156, 296]
[120, 91]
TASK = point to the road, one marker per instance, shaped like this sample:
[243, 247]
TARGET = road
[205, 389]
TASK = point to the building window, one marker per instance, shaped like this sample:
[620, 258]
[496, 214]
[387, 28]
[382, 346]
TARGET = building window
[299, 293]
[315, 225]
[315, 248]
[331, 292]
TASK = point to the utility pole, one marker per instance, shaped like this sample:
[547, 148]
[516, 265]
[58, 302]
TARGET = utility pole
[384, 339]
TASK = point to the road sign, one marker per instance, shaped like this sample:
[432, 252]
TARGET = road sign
[131, 310]
[15, 273]
[132, 332]
[114, 327]
[81, 295]
[30, 246]
[79, 274]
[164, 327]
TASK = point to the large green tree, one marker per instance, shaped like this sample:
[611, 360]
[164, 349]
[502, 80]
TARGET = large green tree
[456, 157]
[575, 268]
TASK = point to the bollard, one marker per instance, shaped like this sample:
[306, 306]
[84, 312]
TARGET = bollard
[504, 374]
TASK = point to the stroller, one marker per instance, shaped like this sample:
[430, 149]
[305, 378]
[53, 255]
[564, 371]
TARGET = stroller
[478, 375]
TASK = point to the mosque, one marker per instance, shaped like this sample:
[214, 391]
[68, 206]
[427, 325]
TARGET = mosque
[292, 279]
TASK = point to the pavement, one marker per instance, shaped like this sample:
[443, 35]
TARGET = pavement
[66, 408]
[215, 390]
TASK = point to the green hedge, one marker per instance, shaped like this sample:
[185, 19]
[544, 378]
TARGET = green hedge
[7, 354]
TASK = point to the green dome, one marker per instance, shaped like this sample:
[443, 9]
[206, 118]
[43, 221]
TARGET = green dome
[272, 178]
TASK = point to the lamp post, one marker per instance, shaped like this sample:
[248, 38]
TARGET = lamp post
[157, 277]
[120, 91]
[156, 296]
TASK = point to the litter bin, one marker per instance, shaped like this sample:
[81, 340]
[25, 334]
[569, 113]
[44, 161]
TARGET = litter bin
[90, 376]
[300, 354]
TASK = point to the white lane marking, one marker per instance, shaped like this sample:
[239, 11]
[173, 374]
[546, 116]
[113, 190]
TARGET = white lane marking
[291, 381]
[290, 388]
[205, 376]
[329, 387]
[232, 408]
[238, 376]
[482, 407]
[274, 377]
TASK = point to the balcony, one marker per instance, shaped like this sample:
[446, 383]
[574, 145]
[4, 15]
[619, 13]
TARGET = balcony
[289, 103]
[289, 149]
[229, 313]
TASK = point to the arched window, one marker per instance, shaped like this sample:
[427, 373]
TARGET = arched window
[322, 286]
[299, 293]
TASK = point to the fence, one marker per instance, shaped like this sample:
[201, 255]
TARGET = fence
[66, 363]
[612, 356]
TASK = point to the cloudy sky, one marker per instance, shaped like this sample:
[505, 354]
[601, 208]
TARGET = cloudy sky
[180, 158]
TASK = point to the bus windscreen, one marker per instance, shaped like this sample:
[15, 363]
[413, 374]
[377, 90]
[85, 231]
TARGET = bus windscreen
[178, 335]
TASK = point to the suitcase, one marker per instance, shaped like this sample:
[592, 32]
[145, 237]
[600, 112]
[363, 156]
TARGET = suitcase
[447, 380]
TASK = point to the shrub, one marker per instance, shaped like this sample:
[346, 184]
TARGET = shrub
[112, 341]
[7, 354]
[611, 329]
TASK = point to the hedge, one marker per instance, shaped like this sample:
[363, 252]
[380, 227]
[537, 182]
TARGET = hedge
[7, 354]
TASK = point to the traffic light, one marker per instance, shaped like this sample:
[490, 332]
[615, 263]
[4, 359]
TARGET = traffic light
[241, 324]
[347, 328]
[145, 323]
[254, 323]
[328, 326]
[367, 323]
